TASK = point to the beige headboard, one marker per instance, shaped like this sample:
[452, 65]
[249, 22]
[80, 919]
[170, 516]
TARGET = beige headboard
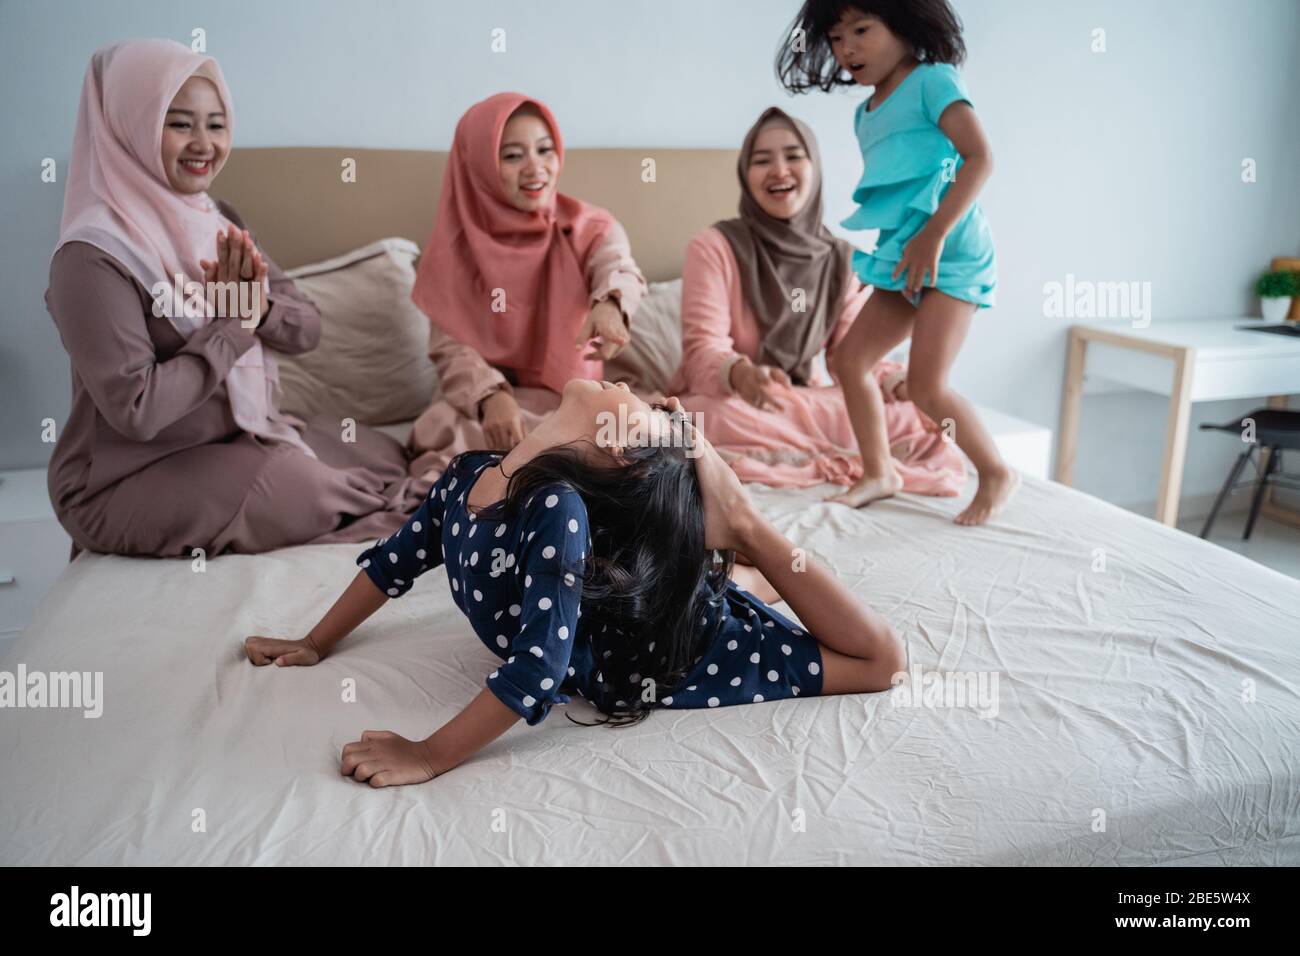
[302, 210]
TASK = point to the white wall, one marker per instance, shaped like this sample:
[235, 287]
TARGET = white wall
[1112, 166]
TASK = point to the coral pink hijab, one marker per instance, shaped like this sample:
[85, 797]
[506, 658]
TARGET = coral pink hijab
[481, 243]
[118, 200]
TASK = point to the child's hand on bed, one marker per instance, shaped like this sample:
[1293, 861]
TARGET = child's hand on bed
[264, 650]
[386, 759]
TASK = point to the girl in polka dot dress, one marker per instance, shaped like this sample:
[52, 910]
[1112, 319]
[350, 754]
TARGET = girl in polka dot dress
[601, 566]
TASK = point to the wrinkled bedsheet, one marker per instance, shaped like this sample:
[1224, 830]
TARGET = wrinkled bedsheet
[1146, 711]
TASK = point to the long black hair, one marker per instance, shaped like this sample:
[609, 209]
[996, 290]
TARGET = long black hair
[931, 27]
[648, 576]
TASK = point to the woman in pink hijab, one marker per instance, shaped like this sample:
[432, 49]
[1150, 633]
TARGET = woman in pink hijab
[525, 288]
[762, 296]
[175, 440]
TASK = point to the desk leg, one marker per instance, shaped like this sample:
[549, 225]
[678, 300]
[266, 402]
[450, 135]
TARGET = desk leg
[1180, 409]
[1271, 509]
[1067, 438]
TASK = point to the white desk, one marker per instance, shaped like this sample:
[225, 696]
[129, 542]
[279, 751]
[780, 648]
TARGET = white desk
[1193, 360]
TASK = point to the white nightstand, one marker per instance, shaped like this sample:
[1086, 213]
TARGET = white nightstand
[34, 548]
[1026, 447]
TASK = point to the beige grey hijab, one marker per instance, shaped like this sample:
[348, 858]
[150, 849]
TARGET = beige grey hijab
[778, 256]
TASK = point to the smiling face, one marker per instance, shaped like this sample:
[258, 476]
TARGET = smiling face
[865, 47]
[529, 162]
[196, 137]
[780, 174]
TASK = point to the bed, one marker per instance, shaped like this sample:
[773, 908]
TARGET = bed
[1133, 692]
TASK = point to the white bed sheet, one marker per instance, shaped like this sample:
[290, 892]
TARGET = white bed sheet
[1160, 697]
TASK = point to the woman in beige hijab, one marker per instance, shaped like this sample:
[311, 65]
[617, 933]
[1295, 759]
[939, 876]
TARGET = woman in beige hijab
[763, 295]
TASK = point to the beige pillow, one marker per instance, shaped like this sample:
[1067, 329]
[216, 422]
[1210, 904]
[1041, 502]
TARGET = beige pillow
[372, 363]
[650, 360]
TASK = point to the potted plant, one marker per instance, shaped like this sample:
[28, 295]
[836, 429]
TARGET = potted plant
[1275, 290]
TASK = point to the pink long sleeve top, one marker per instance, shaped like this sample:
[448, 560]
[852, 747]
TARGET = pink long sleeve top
[465, 378]
[719, 328]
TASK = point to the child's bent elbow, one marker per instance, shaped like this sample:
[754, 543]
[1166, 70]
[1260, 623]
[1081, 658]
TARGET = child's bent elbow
[883, 671]
[890, 656]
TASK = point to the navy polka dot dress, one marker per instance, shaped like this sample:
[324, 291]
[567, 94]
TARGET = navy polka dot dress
[520, 584]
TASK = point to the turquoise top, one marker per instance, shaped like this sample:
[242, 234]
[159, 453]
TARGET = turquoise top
[909, 163]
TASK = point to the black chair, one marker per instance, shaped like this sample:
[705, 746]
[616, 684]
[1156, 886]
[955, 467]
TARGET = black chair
[1276, 430]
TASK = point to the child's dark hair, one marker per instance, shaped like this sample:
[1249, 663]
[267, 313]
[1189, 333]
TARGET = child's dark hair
[644, 574]
[931, 27]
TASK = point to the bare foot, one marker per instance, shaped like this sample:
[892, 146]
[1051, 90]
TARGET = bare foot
[867, 490]
[994, 491]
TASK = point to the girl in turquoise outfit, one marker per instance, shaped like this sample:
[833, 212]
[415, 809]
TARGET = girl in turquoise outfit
[925, 159]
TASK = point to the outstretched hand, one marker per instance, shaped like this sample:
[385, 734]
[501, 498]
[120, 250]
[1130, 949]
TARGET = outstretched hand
[604, 332]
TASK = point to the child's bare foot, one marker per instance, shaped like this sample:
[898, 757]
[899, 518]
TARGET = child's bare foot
[994, 491]
[866, 490]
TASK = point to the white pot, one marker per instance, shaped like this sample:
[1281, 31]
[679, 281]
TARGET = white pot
[1275, 307]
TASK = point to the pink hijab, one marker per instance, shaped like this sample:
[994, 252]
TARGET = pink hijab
[481, 243]
[118, 200]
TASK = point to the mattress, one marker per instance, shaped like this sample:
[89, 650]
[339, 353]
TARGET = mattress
[1141, 706]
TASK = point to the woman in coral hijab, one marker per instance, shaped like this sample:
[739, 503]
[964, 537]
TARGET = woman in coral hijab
[762, 295]
[525, 288]
[175, 440]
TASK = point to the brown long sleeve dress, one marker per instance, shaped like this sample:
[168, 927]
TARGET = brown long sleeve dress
[150, 461]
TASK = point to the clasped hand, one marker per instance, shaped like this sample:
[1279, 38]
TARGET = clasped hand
[238, 260]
